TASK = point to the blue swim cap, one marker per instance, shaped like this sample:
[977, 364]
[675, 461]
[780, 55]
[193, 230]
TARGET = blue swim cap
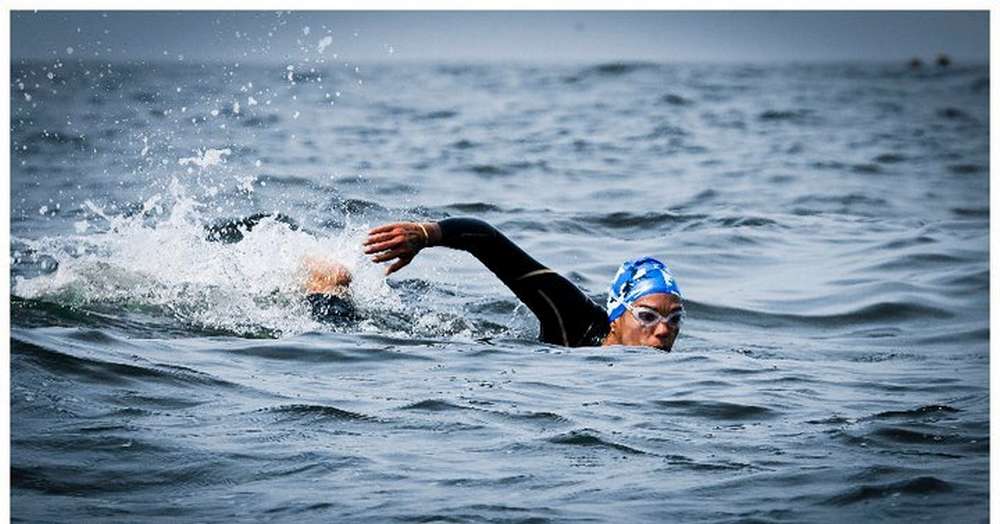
[636, 279]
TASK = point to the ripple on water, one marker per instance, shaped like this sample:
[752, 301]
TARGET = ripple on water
[590, 438]
[99, 371]
[918, 486]
[715, 410]
[311, 413]
[920, 413]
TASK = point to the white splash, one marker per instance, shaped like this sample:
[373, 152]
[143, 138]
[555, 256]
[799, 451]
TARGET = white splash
[160, 259]
[245, 183]
[324, 43]
[207, 158]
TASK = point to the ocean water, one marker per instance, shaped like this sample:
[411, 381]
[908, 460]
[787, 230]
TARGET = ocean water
[828, 224]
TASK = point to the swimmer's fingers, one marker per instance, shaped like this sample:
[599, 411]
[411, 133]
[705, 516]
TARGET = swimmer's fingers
[392, 242]
[412, 243]
[395, 227]
[382, 237]
[397, 265]
[399, 252]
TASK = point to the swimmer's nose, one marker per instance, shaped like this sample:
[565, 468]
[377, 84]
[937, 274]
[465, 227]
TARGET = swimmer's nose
[662, 334]
[662, 329]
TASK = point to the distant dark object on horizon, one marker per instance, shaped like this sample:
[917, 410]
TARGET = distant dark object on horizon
[942, 60]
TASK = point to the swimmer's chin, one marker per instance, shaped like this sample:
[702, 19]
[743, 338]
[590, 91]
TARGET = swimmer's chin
[665, 348]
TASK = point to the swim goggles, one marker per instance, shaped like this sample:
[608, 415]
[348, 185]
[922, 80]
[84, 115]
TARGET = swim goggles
[648, 317]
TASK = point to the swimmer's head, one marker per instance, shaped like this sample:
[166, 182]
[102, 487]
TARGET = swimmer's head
[646, 290]
[636, 279]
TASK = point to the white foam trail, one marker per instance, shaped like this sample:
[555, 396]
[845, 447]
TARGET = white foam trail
[166, 262]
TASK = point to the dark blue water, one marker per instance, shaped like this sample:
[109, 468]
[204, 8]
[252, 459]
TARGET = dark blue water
[827, 223]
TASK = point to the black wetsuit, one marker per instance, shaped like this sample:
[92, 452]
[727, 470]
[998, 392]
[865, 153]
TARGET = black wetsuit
[567, 316]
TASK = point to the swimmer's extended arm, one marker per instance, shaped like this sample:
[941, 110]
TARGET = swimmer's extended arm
[566, 314]
[402, 241]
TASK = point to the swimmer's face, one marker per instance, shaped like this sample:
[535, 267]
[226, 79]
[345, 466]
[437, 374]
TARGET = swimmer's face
[660, 335]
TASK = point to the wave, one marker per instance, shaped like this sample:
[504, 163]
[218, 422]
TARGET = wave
[169, 470]
[661, 221]
[847, 201]
[627, 219]
[39, 140]
[609, 70]
[474, 207]
[504, 169]
[918, 486]
[310, 412]
[925, 261]
[444, 114]
[715, 410]
[896, 435]
[795, 116]
[464, 144]
[972, 212]
[620, 68]
[435, 405]
[968, 169]
[106, 372]
[306, 353]
[261, 121]
[890, 158]
[675, 100]
[952, 113]
[879, 312]
[591, 438]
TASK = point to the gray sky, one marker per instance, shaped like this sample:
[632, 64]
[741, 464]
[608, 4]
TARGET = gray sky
[720, 36]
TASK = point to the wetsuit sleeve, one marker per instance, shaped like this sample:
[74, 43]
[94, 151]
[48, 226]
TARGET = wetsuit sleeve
[567, 316]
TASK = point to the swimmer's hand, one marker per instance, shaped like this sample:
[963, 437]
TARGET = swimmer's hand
[400, 241]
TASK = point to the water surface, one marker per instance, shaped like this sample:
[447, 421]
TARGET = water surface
[827, 223]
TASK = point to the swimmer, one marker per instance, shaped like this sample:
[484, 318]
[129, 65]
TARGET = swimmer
[644, 306]
[327, 287]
